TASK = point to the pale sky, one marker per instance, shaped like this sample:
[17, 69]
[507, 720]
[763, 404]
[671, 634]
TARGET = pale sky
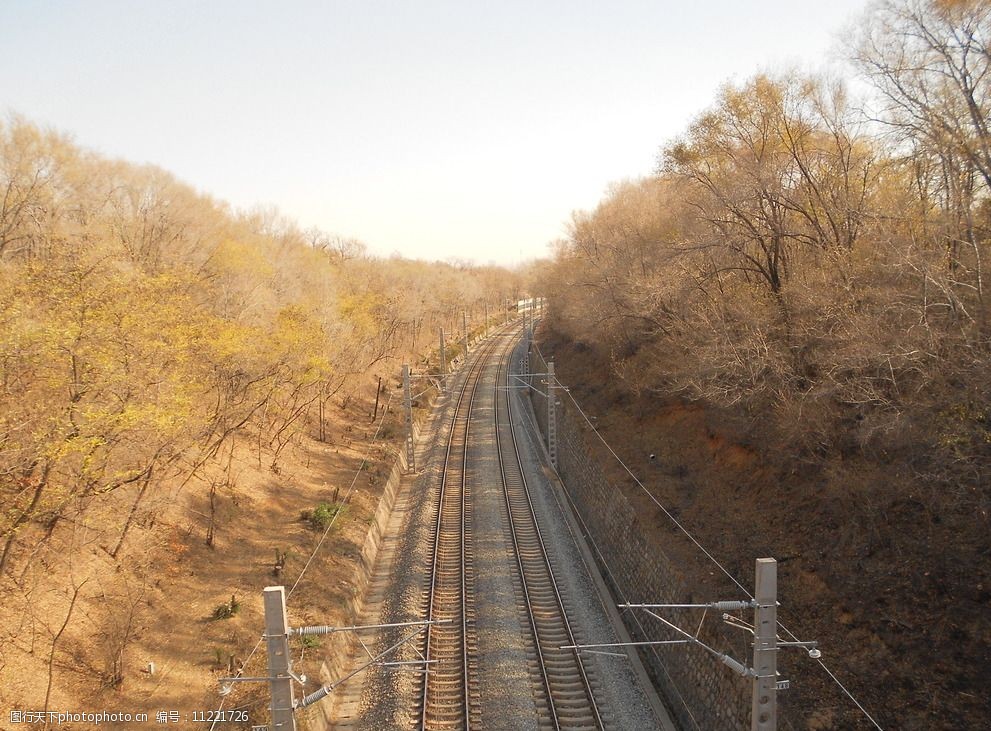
[435, 129]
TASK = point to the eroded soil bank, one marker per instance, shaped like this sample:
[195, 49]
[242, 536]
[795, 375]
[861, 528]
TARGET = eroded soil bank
[890, 575]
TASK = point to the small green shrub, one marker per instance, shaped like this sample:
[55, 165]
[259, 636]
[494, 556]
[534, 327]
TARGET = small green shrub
[321, 516]
[309, 642]
[228, 609]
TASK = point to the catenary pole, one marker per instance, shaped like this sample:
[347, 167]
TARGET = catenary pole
[408, 417]
[764, 712]
[277, 640]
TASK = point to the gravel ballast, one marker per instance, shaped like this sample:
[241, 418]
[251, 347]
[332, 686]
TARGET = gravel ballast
[386, 698]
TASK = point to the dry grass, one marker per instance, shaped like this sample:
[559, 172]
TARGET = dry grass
[882, 550]
[157, 602]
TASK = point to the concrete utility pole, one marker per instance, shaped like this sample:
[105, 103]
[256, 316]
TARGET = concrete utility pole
[464, 322]
[764, 672]
[764, 711]
[551, 420]
[443, 361]
[526, 351]
[408, 416]
[486, 319]
[277, 639]
[280, 674]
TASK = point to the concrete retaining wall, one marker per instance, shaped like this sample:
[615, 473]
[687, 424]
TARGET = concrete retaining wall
[700, 692]
[337, 647]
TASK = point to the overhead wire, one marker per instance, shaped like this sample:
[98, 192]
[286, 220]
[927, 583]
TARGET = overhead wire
[313, 553]
[848, 694]
[697, 543]
[347, 495]
[586, 531]
[649, 494]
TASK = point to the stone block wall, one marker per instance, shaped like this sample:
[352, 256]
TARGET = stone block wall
[700, 691]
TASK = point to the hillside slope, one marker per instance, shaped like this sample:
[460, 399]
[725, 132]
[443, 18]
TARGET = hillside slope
[889, 573]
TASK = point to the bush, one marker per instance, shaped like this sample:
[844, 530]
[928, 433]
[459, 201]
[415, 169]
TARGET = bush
[228, 609]
[309, 642]
[322, 515]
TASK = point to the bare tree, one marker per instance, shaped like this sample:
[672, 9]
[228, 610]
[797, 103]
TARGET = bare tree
[931, 65]
[56, 638]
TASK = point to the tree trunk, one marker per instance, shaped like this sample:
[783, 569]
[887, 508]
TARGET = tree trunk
[378, 390]
[133, 512]
[24, 517]
[55, 641]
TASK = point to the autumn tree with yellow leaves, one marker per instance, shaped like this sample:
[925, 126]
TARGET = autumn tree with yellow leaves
[144, 327]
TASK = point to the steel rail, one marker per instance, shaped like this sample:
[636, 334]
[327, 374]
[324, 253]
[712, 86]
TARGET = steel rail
[537, 573]
[460, 709]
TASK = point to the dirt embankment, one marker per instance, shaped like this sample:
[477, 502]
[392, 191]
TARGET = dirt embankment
[190, 609]
[891, 574]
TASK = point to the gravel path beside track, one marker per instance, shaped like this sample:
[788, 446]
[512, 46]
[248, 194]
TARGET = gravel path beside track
[386, 698]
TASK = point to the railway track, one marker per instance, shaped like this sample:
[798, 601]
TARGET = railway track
[565, 687]
[493, 656]
[449, 697]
